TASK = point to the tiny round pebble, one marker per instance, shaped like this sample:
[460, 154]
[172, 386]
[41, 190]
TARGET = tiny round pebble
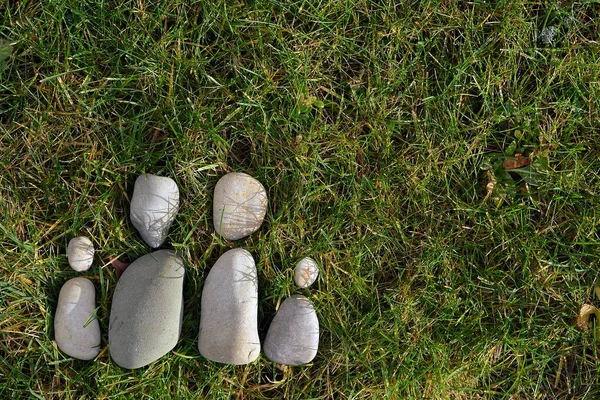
[80, 253]
[306, 272]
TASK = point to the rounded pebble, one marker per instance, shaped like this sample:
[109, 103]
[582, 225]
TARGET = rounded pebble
[239, 205]
[80, 253]
[293, 336]
[154, 206]
[76, 329]
[306, 272]
[229, 310]
[147, 310]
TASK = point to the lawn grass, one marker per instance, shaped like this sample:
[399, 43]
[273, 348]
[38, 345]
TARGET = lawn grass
[368, 122]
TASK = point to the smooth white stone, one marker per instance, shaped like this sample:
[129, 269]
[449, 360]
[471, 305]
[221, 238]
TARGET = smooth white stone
[147, 310]
[76, 328]
[306, 272]
[229, 310]
[239, 205]
[154, 205]
[293, 337]
[80, 253]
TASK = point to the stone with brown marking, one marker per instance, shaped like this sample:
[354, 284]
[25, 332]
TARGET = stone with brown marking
[239, 205]
[306, 272]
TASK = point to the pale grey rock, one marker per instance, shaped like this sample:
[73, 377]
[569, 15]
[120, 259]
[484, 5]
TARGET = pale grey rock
[80, 253]
[306, 272]
[154, 205]
[229, 310]
[549, 35]
[293, 337]
[147, 310]
[76, 329]
[239, 205]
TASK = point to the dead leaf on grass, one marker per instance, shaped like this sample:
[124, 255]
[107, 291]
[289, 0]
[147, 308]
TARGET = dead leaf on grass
[119, 266]
[515, 162]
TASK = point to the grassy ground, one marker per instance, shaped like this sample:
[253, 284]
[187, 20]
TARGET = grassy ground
[369, 124]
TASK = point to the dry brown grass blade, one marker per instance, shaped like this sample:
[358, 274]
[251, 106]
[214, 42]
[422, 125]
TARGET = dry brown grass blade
[585, 314]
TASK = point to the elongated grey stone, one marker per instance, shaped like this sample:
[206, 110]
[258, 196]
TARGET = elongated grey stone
[80, 253]
[239, 205]
[76, 328]
[229, 310]
[306, 272]
[293, 337]
[154, 205]
[147, 310]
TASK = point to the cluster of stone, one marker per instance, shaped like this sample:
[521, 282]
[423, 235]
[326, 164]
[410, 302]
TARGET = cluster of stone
[76, 328]
[147, 307]
[293, 337]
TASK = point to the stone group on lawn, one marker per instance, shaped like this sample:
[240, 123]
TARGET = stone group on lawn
[147, 307]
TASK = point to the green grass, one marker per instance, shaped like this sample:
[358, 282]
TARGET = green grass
[368, 123]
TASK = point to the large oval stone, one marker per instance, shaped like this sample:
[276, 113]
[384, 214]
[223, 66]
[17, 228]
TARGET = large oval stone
[76, 328]
[239, 205]
[147, 310]
[293, 337]
[154, 205]
[80, 253]
[229, 310]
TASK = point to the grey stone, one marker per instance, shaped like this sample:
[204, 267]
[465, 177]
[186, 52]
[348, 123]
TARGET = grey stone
[80, 253]
[154, 205]
[306, 272]
[76, 329]
[147, 310]
[549, 35]
[293, 337]
[229, 310]
[239, 205]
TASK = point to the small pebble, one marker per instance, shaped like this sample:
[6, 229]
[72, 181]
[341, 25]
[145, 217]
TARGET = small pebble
[306, 272]
[80, 253]
[549, 35]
